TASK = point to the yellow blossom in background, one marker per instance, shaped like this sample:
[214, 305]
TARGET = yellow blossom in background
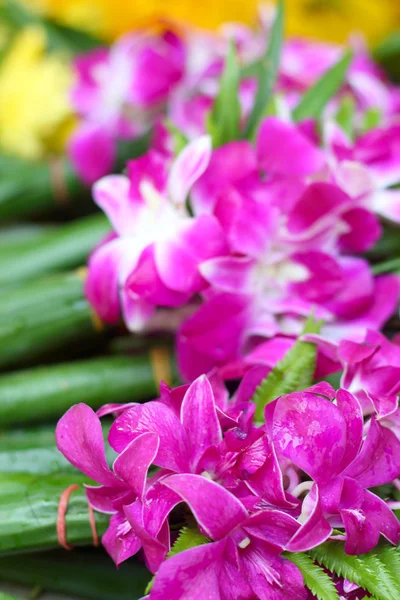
[331, 20]
[35, 116]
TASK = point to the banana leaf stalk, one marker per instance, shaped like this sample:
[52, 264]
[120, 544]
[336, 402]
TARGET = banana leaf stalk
[84, 573]
[29, 507]
[19, 236]
[44, 393]
[43, 316]
[35, 188]
[62, 248]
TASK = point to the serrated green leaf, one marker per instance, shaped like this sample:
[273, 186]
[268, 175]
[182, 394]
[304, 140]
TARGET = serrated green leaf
[223, 122]
[294, 373]
[315, 99]
[267, 73]
[188, 538]
[374, 571]
[315, 578]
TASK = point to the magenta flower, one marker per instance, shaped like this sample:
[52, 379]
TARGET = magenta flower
[117, 98]
[155, 258]
[371, 370]
[79, 437]
[325, 440]
[243, 561]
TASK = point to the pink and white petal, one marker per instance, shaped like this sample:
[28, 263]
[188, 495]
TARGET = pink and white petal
[107, 500]
[157, 504]
[354, 178]
[133, 463]
[273, 526]
[190, 575]
[102, 282]
[114, 409]
[188, 168]
[357, 289]
[111, 194]
[79, 437]
[387, 204]
[271, 577]
[364, 230]
[136, 311]
[311, 432]
[157, 418]
[200, 420]
[120, 541]
[92, 150]
[229, 273]
[216, 510]
[314, 531]
[283, 150]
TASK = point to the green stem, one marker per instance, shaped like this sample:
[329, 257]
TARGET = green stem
[66, 247]
[43, 316]
[84, 573]
[44, 393]
[29, 508]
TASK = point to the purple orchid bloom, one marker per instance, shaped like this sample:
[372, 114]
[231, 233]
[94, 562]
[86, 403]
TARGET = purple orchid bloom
[325, 440]
[155, 259]
[79, 437]
[244, 561]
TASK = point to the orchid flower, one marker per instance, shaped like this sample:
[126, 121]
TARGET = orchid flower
[325, 440]
[243, 561]
[155, 258]
[117, 98]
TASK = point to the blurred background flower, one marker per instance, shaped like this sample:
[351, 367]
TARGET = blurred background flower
[331, 20]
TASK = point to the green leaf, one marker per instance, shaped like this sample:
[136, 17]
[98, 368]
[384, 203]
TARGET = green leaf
[315, 99]
[267, 73]
[223, 122]
[293, 373]
[372, 119]
[388, 266]
[388, 55]
[345, 115]
[315, 578]
[187, 538]
[179, 139]
[376, 571]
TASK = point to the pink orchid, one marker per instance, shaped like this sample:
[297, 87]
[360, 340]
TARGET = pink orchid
[116, 97]
[79, 437]
[325, 440]
[371, 370]
[155, 258]
[369, 168]
[243, 561]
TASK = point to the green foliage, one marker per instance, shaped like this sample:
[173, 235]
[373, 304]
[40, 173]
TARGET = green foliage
[293, 373]
[377, 571]
[372, 118]
[316, 97]
[223, 122]
[267, 73]
[179, 139]
[315, 578]
[345, 115]
[187, 538]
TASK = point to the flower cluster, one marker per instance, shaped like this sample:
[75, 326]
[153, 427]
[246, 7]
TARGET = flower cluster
[260, 235]
[195, 458]
[120, 92]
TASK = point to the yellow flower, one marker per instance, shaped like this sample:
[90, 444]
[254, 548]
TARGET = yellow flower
[335, 20]
[322, 19]
[35, 116]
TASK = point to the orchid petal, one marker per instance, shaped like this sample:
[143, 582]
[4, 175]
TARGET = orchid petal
[79, 437]
[133, 463]
[120, 541]
[157, 418]
[200, 420]
[188, 167]
[216, 510]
